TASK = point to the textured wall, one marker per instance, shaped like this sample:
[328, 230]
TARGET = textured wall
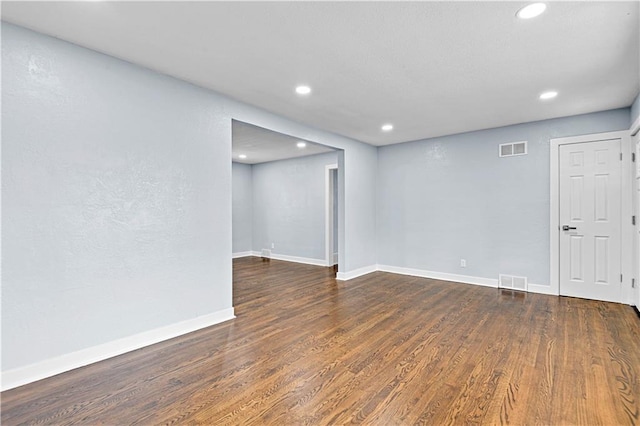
[360, 171]
[443, 199]
[242, 196]
[116, 185]
[116, 199]
[289, 206]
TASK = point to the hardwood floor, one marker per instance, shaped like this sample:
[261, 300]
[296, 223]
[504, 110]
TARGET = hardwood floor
[382, 349]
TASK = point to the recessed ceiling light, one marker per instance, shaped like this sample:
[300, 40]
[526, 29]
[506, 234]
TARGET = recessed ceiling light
[303, 90]
[387, 127]
[531, 11]
[242, 156]
[301, 144]
[548, 95]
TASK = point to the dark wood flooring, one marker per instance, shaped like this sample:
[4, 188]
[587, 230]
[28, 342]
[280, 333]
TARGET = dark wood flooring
[381, 349]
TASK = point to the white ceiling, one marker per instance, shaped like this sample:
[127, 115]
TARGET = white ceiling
[262, 145]
[430, 68]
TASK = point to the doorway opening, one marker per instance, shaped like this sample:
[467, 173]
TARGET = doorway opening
[282, 188]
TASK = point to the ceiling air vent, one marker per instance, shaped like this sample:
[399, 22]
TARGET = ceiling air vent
[513, 148]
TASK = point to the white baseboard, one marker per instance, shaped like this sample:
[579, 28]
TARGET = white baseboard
[50, 367]
[242, 254]
[443, 276]
[487, 282]
[297, 259]
[541, 289]
[344, 276]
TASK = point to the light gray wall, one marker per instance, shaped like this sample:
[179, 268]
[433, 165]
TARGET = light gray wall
[635, 109]
[289, 206]
[116, 211]
[443, 199]
[242, 196]
[359, 207]
[116, 200]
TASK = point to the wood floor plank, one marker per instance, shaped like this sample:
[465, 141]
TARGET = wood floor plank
[381, 349]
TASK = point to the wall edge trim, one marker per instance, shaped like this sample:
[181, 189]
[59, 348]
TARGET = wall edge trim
[443, 276]
[541, 289]
[287, 258]
[242, 254]
[298, 259]
[50, 367]
[345, 276]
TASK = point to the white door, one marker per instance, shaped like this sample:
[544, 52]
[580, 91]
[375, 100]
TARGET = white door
[590, 187]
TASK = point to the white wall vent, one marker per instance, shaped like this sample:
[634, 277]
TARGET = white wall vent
[266, 253]
[512, 148]
[512, 282]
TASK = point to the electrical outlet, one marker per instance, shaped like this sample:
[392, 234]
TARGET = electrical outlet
[463, 263]
[273, 245]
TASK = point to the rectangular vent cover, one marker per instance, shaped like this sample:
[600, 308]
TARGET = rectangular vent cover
[513, 148]
[512, 282]
[266, 253]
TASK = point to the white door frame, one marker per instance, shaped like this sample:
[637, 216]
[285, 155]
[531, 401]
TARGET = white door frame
[634, 132]
[626, 228]
[328, 202]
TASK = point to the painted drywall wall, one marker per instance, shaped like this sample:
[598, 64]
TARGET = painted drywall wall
[242, 207]
[445, 199]
[117, 198]
[635, 110]
[289, 206]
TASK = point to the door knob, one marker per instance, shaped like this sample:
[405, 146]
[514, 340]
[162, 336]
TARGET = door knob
[568, 228]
